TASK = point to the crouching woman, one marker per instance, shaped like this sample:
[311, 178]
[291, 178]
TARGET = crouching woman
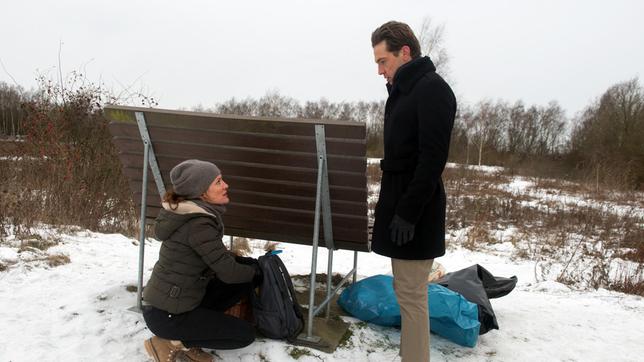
[196, 278]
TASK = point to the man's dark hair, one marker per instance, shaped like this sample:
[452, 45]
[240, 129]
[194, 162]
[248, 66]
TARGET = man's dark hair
[397, 35]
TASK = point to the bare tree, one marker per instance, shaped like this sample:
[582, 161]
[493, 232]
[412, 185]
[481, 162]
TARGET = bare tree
[432, 43]
[485, 124]
[629, 109]
[550, 129]
[514, 127]
[273, 104]
[609, 136]
[11, 111]
[245, 107]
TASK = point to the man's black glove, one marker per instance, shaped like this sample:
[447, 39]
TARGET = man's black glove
[259, 275]
[401, 231]
[245, 260]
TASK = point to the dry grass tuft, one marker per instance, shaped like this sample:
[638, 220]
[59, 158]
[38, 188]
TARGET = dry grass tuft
[477, 236]
[57, 260]
[373, 173]
[34, 241]
[630, 282]
[241, 247]
[270, 246]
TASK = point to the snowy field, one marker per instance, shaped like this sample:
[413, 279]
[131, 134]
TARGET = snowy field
[78, 311]
[65, 293]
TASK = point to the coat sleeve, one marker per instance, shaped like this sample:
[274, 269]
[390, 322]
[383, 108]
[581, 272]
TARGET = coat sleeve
[435, 115]
[205, 239]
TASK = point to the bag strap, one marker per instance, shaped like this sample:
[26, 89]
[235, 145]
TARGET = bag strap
[289, 284]
[286, 278]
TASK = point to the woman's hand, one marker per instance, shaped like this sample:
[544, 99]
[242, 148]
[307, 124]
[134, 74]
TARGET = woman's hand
[259, 274]
[245, 260]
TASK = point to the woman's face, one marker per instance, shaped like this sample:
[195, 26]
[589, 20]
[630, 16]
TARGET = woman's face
[217, 192]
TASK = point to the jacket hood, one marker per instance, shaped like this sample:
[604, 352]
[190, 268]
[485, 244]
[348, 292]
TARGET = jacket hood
[169, 219]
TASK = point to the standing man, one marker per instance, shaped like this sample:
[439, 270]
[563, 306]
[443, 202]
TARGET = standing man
[409, 224]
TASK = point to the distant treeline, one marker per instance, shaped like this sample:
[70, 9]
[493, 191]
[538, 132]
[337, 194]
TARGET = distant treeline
[12, 113]
[604, 144]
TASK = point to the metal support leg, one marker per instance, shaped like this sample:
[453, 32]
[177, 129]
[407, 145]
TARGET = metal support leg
[231, 243]
[329, 282]
[144, 195]
[149, 160]
[320, 140]
[322, 201]
[355, 266]
[314, 261]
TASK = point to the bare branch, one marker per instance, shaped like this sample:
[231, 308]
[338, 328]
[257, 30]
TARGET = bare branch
[432, 43]
[9, 74]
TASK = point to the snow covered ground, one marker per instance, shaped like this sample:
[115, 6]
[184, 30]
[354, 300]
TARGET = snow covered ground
[78, 311]
[482, 168]
[544, 195]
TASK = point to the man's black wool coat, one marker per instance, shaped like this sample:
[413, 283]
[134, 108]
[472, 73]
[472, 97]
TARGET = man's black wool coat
[419, 116]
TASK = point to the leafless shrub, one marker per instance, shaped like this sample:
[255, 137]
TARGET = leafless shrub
[57, 260]
[629, 281]
[632, 238]
[68, 172]
[636, 255]
[270, 246]
[476, 236]
[572, 243]
[374, 173]
[241, 247]
[473, 201]
[35, 241]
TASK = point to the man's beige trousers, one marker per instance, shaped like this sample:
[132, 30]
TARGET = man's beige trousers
[410, 285]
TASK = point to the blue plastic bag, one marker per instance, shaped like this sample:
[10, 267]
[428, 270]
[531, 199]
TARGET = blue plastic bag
[451, 316]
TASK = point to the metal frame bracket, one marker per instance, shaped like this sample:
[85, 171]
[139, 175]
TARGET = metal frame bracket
[149, 159]
[323, 201]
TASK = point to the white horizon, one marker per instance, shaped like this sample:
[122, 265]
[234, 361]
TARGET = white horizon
[203, 53]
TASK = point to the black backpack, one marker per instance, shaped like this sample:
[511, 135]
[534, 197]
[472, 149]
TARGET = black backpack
[277, 313]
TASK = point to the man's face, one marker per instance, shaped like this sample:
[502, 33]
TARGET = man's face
[389, 62]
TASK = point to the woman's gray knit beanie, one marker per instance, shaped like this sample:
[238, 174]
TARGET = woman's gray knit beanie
[191, 178]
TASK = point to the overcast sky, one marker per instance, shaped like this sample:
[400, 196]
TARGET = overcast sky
[186, 53]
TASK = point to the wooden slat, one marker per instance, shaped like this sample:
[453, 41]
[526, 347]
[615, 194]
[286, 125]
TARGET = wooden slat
[341, 193]
[265, 199]
[196, 120]
[285, 209]
[297, 203]
[355, 238]
[303, 217]
[228, 153]
[296, 233]
[303, 240]
[267, 172]
[339, 146]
